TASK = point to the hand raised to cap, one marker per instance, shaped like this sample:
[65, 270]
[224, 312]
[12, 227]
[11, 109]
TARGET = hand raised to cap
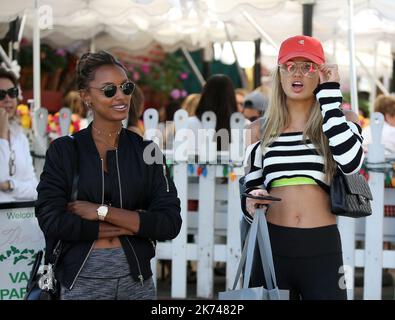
[328, 73]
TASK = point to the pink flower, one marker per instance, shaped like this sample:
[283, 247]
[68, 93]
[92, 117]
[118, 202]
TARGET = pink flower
[184, 93]
[145, 68]
[175, 94]
[136, 76]
[183, 75]
[60, 52]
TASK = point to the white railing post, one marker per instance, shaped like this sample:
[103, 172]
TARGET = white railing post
[236, 157]
[40, 143]
[207, 145]
[179, 244]
[374, 223]
[205, 263]
[347, 234]
[207, 154]
[151, 132]
[237, 138]
[151, 124]
[64, 121]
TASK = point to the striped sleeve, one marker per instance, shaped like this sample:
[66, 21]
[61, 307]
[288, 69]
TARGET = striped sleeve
[345, 139]
[253, 178]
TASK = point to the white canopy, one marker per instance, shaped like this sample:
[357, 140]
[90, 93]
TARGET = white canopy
[135, 24]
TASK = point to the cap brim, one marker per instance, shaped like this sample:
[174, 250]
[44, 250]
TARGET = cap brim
[292, 55]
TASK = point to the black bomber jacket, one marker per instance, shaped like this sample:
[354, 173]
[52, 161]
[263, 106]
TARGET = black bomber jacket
[145, 186]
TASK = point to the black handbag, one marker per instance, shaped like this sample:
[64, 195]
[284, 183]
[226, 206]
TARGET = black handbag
[350, 196]
[42, 284]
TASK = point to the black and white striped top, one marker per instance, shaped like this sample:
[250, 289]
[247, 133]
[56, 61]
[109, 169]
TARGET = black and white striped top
[290, 156]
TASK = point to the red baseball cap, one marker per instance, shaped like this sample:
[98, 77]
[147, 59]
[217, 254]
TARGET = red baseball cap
[301, 46]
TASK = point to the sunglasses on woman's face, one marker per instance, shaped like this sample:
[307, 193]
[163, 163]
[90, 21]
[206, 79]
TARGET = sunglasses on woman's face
[111, 89]
[12, 93]
[308, 69]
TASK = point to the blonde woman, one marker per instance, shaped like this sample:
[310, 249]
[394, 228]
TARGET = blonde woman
[190, 104]
[305, 140]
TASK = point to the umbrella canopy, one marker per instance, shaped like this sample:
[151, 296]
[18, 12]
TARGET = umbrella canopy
[136, 25]
[196, 24]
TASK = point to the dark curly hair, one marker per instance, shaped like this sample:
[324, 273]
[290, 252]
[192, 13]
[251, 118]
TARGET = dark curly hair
[89, 63]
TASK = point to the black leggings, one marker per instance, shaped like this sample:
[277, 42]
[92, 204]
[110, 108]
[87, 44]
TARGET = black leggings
[307, 262]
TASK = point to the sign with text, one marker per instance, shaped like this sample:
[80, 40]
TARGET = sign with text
[20, 239]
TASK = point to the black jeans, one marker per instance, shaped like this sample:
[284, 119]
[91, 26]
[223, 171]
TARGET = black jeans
[307, 262]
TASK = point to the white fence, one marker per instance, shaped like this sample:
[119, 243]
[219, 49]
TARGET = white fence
[213, 219]
[374, 229]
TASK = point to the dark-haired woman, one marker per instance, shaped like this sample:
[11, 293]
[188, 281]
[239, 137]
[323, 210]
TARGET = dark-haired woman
[136, 111]
[126, 199]
[218, 95]
[17, 178]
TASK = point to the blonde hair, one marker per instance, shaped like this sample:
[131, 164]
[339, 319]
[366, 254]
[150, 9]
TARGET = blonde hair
[241, 91]
[190, 103]
[73, 101]
[385, 105]
[277, 118]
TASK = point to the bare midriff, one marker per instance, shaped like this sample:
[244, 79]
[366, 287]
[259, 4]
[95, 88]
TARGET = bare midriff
[302, 206]
[107, 243]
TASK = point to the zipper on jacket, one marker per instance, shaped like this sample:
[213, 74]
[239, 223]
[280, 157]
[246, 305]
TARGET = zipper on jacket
[102, 202]
[153, 243]
[79, 271]
[119, 178]
[164, 175]
[140, 276]
[102, 181]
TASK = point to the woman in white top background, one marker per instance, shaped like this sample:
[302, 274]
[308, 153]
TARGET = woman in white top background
[18, 181]
[386, 106]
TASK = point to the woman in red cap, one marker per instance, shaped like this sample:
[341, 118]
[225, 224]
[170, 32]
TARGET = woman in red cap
[306, 139]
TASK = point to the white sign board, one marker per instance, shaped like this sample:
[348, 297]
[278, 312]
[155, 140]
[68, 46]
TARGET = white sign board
[20, 239]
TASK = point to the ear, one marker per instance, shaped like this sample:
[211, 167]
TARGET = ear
[85, 97]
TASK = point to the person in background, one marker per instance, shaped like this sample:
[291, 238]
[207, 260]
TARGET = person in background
[306, 138]
[169, 128]
[126, 198]
[240, 95]
[219, 96]
[190, 104]
[386, 106]
[255, 105]
[18, 181]
[136, 111]
[73, 101]
[193, 123]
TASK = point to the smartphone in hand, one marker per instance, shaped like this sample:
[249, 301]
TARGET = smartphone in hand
[271, 198]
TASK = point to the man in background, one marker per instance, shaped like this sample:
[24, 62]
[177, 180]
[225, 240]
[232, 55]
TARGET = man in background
[255, 105]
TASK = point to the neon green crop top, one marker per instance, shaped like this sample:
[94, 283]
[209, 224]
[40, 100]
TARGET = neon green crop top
[294, 181]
